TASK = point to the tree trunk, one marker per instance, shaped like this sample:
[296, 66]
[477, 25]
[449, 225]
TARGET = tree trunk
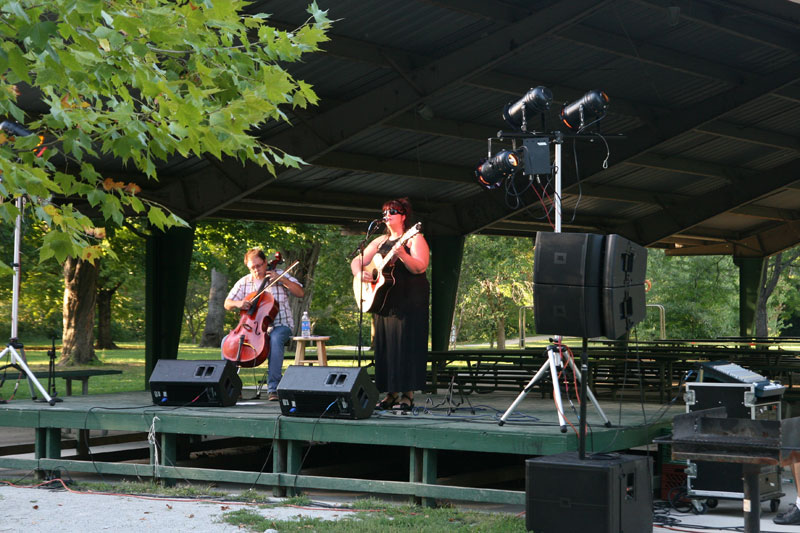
[80, 296]
[501, 334]
[769, 280]
[105, 340]
[764, 292]
[215, 318]
[304, 273]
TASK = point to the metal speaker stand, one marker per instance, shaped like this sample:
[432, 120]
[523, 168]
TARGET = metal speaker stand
[553, 364]
[15, 360]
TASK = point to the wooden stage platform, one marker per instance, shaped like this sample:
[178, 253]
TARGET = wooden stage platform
[438, 452]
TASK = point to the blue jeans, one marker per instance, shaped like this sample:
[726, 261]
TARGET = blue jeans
[277, 341]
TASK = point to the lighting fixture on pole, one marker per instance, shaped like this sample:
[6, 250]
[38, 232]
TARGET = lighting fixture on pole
[536, 100]
[493, 170]
[587, 110]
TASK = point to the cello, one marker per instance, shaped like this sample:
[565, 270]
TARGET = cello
[247, 344]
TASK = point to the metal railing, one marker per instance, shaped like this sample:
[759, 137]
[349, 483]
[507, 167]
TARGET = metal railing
[662, 319]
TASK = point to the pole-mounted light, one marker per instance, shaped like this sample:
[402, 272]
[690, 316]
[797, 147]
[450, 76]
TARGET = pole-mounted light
[536, 100]
[588, 109]
[492, 171]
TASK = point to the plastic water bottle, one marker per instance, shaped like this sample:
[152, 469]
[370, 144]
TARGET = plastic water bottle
[305, 325]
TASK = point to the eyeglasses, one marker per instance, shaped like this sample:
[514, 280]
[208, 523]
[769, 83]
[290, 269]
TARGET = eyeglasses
[392, 212]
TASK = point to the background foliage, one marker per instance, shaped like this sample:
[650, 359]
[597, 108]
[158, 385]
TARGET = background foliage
[139, 81]
[700, 294]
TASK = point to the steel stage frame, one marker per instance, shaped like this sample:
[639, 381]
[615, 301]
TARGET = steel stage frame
[423, 436]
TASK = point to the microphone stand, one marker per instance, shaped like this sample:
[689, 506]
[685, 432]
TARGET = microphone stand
[359, 251]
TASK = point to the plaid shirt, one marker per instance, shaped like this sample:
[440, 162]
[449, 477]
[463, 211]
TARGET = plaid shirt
[249, 284]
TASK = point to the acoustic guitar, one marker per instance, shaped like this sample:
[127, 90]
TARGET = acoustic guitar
[371, 295]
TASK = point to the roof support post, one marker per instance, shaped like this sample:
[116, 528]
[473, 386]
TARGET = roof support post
[750, 271]
[446, 254]
[168, 258]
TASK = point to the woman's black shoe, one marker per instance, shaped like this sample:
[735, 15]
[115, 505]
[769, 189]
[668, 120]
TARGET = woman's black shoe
[387, 402]
[403, 406]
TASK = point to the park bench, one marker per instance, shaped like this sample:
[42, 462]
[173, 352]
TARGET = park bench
[76, 375]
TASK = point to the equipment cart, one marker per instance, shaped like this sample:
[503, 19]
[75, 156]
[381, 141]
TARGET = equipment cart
[745, 395]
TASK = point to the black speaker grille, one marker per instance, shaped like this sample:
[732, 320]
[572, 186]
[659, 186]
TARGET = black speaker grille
[330, 392]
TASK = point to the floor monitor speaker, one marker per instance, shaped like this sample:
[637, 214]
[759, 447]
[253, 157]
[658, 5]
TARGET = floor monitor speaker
[603, 493]
[213, 383]
[327, 391]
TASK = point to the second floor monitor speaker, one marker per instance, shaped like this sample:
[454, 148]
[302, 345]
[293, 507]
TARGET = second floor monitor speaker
[213, 383]
[587, 285]
[327, 391]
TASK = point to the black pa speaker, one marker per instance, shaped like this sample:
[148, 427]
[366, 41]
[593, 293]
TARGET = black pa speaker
[573, 259]
[623, 307]
[625, 262]
[327, 391]
[606, 493]
[587, 285]
[213, 383]
[567, 310]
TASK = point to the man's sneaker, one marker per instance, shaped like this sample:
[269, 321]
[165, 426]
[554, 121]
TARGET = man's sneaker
[792, 516]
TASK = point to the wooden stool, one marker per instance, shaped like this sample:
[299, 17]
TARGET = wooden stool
[300, 353]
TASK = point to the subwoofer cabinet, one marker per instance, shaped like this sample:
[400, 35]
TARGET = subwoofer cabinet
[603, 493]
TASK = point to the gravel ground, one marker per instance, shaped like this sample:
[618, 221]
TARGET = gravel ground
[47, 510]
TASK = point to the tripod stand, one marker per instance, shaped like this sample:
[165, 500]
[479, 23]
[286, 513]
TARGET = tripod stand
[553, 364]
[15, 360]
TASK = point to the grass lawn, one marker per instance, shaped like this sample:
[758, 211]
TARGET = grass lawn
[377, 515]
[129, 358]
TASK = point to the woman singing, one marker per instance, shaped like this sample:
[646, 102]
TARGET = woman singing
[401, 324]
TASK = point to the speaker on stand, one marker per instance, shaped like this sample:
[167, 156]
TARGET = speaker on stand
[588, 285]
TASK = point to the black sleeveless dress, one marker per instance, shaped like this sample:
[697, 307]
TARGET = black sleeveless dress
[401, 330]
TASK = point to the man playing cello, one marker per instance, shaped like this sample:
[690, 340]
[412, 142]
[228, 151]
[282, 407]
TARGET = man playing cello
[283, 324]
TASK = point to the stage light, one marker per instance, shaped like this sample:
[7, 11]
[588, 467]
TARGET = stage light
[590, 108]
[492, 171]
[18, 130]
[12, 128]
[537, 100]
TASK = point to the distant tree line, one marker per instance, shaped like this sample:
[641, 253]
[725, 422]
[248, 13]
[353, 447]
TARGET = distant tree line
[699, 294]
